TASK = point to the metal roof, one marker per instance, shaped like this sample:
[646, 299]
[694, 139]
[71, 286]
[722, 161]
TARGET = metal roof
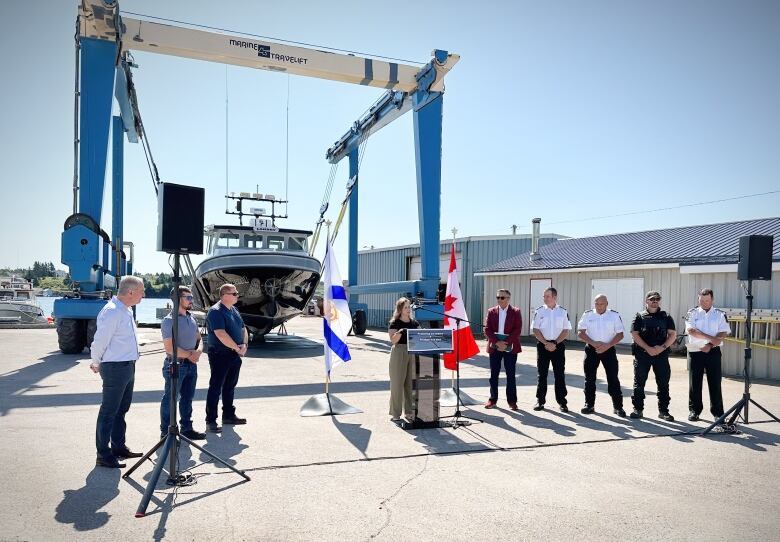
[689, 245]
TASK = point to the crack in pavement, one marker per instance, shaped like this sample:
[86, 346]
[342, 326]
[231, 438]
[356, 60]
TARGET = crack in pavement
[385, 503]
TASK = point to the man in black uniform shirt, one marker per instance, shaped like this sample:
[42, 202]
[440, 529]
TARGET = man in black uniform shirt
[653, 332]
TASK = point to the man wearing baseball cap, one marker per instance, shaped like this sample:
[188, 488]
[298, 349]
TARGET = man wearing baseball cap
[653, 332]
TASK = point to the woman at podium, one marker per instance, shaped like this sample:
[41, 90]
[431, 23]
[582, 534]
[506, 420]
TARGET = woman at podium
[401, 362]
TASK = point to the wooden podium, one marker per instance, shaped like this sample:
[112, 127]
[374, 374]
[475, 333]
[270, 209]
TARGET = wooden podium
[427, 345]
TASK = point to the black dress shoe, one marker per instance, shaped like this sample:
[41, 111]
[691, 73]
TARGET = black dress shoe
[539, 406]
[126, 454]
[635, 414]
[564, 408]
[193, 435]
[620, 412]
[109, 463]
[664, 415]
[233, 420]
[587, 410]
[212, 427]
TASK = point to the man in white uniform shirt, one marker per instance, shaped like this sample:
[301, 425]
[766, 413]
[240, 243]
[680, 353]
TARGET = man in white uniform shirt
[551, 326]
[601, 330]
[114, 352]
[706, 326]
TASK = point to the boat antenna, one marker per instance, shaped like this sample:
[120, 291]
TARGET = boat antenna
[227, 191]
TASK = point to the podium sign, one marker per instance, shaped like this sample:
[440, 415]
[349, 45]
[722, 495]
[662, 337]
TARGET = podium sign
[426, 345]
[429, 341]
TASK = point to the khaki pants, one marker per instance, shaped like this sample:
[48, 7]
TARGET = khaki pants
[401, 377]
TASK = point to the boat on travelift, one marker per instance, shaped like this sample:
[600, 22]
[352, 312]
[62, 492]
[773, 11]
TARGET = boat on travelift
[270, 266]
[17, 302]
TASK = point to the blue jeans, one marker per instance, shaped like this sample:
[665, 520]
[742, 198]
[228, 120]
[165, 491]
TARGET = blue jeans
[188, 377]
[118, 380]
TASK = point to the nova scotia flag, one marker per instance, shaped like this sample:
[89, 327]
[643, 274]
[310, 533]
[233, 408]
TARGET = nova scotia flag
[337, 320]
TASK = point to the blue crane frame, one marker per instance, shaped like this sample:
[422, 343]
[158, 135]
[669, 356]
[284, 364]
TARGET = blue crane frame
[96, 261]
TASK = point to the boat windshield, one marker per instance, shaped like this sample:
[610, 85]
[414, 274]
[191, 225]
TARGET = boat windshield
[252, 241]
[256, 241]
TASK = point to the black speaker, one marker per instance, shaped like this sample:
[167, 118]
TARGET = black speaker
[180, 218]
[755, 257]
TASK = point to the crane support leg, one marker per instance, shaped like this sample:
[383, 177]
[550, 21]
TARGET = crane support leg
[427, 146]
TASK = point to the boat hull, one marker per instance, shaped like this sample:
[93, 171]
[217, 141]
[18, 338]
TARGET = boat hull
[23, 312]
[273, 286]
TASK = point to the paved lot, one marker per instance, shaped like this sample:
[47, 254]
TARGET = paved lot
[517, 476]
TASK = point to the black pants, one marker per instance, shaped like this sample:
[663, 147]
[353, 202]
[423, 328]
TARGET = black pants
[660, 366]
[558, 359]
[224, 377]
[705, 362]
[510, 362]
[591, 364]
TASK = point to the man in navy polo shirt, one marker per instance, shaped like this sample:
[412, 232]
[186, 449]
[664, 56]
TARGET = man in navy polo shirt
[228, 341]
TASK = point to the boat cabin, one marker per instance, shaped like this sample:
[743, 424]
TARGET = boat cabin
[220, 239]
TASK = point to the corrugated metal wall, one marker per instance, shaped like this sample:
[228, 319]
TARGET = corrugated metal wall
[679, 292]
[390, 265]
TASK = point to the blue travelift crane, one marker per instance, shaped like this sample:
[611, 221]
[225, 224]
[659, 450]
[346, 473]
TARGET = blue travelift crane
[104, 39]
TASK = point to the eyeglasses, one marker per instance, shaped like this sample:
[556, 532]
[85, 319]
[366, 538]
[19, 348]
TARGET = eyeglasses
[187, 297]
[653, 299]
[500, 297]
[231, 293]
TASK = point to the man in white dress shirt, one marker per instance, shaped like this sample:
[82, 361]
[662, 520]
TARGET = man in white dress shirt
[114, 352]
[601, 330]
[551, 326]
[706, 327]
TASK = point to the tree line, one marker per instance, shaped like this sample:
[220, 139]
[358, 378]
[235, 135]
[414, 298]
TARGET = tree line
[43, 275]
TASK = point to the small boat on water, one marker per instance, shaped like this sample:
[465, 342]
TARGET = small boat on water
[17, 302]
[271, 268]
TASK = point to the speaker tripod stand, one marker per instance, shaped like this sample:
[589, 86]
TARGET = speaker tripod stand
[743, 403]
[170, 442]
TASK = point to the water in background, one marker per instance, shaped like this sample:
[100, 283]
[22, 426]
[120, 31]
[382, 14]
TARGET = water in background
[145, 311]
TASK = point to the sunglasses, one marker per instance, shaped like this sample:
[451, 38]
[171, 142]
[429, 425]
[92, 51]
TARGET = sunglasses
[187, 297]
[500, 297]
[654, 299]
[232, 293]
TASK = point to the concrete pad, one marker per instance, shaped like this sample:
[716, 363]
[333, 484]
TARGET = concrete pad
[518, 475]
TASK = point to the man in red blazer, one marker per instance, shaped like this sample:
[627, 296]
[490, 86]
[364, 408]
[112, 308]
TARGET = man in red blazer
[503, 324]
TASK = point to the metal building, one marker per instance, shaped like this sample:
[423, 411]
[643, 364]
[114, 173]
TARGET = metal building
[401, 263]
[678, 262]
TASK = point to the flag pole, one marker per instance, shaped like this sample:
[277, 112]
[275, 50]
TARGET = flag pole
[452, 372]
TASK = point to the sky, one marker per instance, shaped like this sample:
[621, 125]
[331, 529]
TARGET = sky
[565, 110]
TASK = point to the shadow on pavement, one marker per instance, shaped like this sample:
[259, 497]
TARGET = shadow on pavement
[81, 507]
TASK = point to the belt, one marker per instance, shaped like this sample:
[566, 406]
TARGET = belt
[182, 360]
[700, 352]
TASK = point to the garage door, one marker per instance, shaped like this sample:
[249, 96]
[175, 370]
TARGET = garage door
[626, 296]
[415, 267]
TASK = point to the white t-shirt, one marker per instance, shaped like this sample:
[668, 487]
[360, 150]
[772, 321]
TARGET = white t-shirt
[551, 322]
[710, 322]
[601, 327]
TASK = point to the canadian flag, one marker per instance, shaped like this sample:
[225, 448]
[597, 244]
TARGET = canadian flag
[463, 339]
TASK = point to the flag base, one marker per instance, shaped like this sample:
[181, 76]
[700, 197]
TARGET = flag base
[448, 398]
[326, 404]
